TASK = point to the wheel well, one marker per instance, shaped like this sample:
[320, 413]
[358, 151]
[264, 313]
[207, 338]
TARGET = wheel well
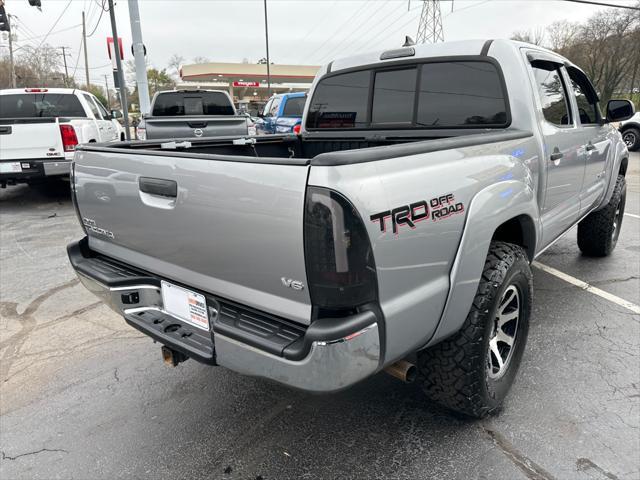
[520, 231]
[623, 166]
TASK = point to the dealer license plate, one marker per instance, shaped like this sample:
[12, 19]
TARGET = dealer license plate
[10, 167]
[188, 306]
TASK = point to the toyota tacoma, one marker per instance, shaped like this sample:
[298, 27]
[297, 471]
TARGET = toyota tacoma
[395, 233]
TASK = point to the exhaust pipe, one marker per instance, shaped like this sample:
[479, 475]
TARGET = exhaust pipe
[403, 370]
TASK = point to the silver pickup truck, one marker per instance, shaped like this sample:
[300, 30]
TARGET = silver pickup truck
[192, 114]
[395, 233]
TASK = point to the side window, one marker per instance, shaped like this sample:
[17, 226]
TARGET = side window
[585, 98]
[551, 91]
[103, 111]
[273, 110]
[267, 107]
[92, 106]
[393, 96]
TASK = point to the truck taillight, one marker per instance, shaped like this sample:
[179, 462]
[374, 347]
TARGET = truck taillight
[341, 271]
[296, 129]
[69, 138]
[141, 133]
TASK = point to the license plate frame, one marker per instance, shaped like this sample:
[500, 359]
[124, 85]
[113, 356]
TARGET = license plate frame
[185, 305]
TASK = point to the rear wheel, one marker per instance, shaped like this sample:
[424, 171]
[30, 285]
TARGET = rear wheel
[598, 233]
[472, 371]
[631, 137]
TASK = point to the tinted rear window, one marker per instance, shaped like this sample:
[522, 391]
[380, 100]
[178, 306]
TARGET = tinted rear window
[294, 107]
[393, 96]
[340, 101]
[446, 95]
[29, 105]
[182, 103]
[457, 94]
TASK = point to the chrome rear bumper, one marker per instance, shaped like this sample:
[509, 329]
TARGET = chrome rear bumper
[332, 359]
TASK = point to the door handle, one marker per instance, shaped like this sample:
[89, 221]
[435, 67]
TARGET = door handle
[589, 147]
[556, 156]
[158, 186]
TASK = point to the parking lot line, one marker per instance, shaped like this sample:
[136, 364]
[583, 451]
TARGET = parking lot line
[589, 288]
[632, 215]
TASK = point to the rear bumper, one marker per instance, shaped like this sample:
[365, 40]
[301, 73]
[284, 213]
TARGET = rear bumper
[329, 355]
[20, 171]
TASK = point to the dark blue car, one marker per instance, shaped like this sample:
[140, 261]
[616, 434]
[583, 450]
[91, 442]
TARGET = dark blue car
[282, 114]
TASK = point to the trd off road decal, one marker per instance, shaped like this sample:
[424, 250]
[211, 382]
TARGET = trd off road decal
[437, 208]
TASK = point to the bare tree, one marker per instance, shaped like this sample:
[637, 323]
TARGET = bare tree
[563, 34]
[534, 36]
[201, 60]
[174, 64]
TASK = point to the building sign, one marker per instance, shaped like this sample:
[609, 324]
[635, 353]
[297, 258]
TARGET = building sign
[110, 48]
[246, 84]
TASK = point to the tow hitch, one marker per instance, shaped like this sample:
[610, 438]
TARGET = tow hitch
[171, 357]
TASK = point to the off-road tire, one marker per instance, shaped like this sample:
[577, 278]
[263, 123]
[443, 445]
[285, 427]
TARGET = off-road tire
[454, 372]
[631, 137]
[598, 232]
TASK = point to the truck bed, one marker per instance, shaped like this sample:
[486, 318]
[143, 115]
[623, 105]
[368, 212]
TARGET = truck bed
[288, 149]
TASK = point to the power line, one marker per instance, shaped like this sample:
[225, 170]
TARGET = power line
[98, 22]
[55, 23]
[353, 32]
[330, 37]
[600, 4]
[66, 29]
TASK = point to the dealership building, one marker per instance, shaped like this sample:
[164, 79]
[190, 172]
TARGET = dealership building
[247, 82]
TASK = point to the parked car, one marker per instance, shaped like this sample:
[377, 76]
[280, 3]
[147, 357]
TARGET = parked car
[41, 127]
[395, 233]
[282, 114]
[191, 114]
[630, 130]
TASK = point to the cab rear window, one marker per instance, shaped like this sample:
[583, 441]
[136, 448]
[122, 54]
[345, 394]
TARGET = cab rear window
[176, 104]
[451, 94]
[294, 107]
[43, 105]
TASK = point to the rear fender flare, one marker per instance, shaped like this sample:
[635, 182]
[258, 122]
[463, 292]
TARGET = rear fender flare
[619, 152]
[489, 208]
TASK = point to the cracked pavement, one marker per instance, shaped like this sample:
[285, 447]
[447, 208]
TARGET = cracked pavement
[82, 395]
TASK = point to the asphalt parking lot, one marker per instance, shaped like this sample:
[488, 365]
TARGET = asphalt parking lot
[82, 395]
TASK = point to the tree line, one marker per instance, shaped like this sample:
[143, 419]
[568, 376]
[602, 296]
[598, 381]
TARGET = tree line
[606, 47]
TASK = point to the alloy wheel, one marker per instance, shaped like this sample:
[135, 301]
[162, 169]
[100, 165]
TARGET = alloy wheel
[503, 333]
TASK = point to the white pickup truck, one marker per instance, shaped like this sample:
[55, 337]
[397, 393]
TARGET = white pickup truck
[40, 128]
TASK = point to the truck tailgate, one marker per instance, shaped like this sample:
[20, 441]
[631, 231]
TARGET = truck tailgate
[189, 127]
[30, 138]
[229, 228]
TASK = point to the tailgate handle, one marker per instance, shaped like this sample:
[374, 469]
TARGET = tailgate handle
[158, 186]
[5, 130]
[197, 124]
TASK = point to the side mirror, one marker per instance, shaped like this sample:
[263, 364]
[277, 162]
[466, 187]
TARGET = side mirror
[116, 114]
[619, 110]
[260, 115]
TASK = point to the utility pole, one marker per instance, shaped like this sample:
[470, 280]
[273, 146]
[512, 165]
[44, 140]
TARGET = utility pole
[266, 36]
[122, 87]
[66, 70]
[84, 43]
[139, 57]
[430, 26]
[106, 88]
[12, 65]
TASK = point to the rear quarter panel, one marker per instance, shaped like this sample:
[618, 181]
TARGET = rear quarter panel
[415, 265]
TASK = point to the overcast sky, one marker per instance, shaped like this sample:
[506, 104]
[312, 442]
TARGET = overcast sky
[300, 31]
